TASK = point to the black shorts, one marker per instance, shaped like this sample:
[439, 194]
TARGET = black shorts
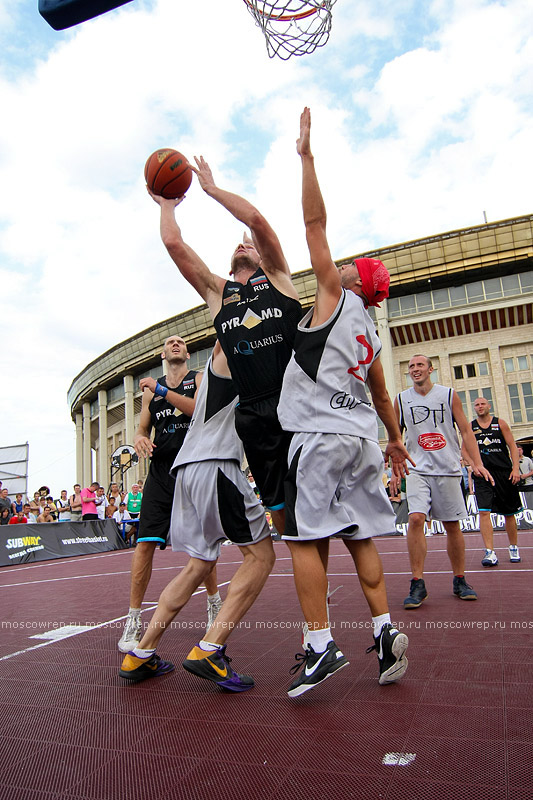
[502, 498]
[156, 507]
[266, 445]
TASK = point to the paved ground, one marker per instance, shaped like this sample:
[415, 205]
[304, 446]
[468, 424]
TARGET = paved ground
[459, 725]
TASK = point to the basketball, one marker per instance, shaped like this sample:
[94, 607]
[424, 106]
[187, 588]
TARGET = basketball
[168, 173]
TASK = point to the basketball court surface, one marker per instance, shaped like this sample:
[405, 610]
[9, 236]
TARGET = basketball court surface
[459, 725]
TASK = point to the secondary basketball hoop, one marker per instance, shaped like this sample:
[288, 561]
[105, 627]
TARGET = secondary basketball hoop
[292, 27]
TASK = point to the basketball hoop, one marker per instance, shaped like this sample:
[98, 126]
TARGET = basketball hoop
[292, 27]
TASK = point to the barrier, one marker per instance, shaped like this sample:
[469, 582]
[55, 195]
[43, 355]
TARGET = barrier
[22, 544]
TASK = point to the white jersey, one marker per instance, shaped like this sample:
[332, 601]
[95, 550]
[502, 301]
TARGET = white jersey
[212, 433]
[324, 384]
[431, 438]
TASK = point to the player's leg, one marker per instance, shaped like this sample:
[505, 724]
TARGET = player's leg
[512, 534]
[214, 601]
[141, 571]
[455, 545]
[490, 559]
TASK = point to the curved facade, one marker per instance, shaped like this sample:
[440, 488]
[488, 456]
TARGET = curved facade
[463, 298]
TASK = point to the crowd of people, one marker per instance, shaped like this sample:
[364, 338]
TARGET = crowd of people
[89, 503]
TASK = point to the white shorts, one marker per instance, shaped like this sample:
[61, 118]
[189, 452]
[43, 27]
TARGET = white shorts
[438, 497]
[213, 502]
[334, 486]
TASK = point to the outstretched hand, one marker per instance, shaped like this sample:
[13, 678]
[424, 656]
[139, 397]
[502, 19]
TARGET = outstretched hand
[204, 174]
[303, 144]
[162, 201]
[399, 457]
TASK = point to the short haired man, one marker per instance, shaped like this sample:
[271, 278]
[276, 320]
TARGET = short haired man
[63, 507]
[255, 315]
[212, 501]
[334, 481]
[17, 504]
[525, 465]
[46, 515]
[88, 496]
[101, 503]
[18, 519]
[429, 413]
[28, 513]
[5, 500]
[167, 407]
[76, 506]
[499, 455]
[133, 500]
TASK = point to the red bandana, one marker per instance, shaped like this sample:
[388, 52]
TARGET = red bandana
[375, 279]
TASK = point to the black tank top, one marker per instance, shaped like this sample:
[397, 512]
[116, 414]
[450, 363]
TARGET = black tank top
[256, 327]
[492, 445]
[170, 424]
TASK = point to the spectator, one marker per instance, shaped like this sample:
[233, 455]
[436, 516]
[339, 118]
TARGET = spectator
[63, 507]
[28, 513]
[118, 496]
[525, 465]
[88, 496]
[53, 508]
[76, 506]
[35, 504]
[101, 502]
[5, 501]
[133, 501]
[18, 505]
[140, 484]
[46, 515]
[18, 519]
[121, 515]
[4, 516]
[111, 507]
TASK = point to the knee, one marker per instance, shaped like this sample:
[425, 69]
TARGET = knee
[416, 521]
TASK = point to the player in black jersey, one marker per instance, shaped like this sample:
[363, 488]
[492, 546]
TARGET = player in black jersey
[255, 316]
[167, 407]
[500, 456]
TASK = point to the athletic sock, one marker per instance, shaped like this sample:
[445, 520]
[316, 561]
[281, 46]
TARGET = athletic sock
[320, 639]
[207, 646]
[135, 612]
[213, 598]
[379, 622]
[137, 651]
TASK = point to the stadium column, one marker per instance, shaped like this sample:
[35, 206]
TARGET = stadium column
[87, 459]
[129, 417]
[383, 330]
[500, 403]
[79, 449]
[445, 370]
[103, 461]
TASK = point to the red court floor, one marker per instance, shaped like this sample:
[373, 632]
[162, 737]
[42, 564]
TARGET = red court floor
[458, 726]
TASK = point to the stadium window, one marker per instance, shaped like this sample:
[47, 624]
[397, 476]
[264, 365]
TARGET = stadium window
[457, 295]
[493, 288]
[408, 304]
[462, 398]
[435, 376]
[522, 362]
[441, 298]
[424, 301]
[515, 402]
[458, 372]
[473, 395]
[474, 292]
[487, 394]
[528, 400]
[508, 364]
[470, 370]
[483, 368]
[526, 281]
[511, 285]
[393, 307]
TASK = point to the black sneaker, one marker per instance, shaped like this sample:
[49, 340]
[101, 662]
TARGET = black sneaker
[214, 665]
[462, 589]
[138, 669]
[417, 594]
[391, 646]
[316, 668]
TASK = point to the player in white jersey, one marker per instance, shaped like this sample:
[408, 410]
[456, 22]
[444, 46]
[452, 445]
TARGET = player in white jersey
[334, 484]
[213, 502]
[429, 413]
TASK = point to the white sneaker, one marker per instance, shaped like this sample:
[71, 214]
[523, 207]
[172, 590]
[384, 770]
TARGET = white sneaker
[212, 611]
[490, 559]
[131, 635]
[514, 553]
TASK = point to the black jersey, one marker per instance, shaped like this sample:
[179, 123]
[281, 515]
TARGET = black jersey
[170, 424]
[256, 326]
[492, 445]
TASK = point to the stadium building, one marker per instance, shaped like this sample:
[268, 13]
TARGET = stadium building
[463, 298]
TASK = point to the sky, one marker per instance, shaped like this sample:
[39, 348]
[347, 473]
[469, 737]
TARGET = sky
[422, 122]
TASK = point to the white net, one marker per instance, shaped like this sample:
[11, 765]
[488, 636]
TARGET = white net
[292, 27]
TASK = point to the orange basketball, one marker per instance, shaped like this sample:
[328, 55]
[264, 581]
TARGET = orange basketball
[168, 173]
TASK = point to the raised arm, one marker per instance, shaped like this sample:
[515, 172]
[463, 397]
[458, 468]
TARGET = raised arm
[314, 212]
[208, 285]
[263, 235]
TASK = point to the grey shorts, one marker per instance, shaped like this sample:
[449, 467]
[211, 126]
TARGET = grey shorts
[334, 486]
[213, 502]
[438, 497]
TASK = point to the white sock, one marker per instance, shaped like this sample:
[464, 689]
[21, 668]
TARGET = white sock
[203, 645]
[142, 653]
[214, 598]
[320, 639]
[379, 622]
[134, 612]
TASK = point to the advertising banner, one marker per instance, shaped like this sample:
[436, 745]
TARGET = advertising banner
[23, 544]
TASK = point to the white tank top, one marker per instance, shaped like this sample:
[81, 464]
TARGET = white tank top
[431, 438]
[324, 384]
